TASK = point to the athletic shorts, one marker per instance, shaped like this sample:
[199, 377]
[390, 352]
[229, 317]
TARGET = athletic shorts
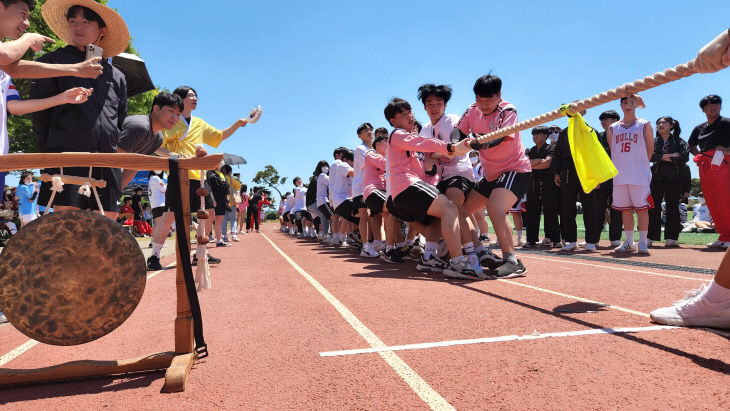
[412, 204]
[157, 211]
[345, 211]
[194, 198]
[519, 208]
[220, 206]
[299, 215]
[286, 216]
[375, 202]
[517, 183]
[326, 210]
[459, 182]
[632, 197]
[357, 203]
[109, 196]
[27, 218]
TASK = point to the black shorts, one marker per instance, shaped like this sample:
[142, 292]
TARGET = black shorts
[109, 196]
[517, 183]
[413, 203]
[299, 215]
[157, 211]
[357, 203]
[459, 182]
[194, 198]
[375, 202]
[286, 216]
[326, 210]
[345, 211]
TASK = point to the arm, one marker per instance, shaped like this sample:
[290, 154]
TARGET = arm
[657, 154]
[412, 142]
[693, 142]
[76, 95]
[541, 163]
[232, 129]
[649, 140]
[375, 160]
[14, 50]
[34, 69]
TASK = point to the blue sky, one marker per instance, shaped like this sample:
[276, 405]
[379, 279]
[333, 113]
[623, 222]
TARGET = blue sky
[319, 69]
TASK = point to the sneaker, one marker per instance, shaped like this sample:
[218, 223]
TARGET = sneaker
[590, 247]
[474, 260]
[213, 260]
[380, 247]
[367, 251]
[223, 244]
[484, 238]
[570, 246]
[463, 269]
[258, 231]
[342, 244]
[153, 263]
[529, 244]
[615, 243]
[693, 311]
[392, 256]
[643, 248]
[546, 242]
[416, 251]
[3, 318]
[649, 243]
[511, 270]
[433, 264]
[582, 244]
[489, 259]
[625, 247]
[671, 243]
[300, 235]
[150, 246]
[519, 243]
[235, 238]
[719, 244]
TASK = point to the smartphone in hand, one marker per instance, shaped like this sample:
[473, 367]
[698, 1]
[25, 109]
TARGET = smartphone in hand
[94, 51]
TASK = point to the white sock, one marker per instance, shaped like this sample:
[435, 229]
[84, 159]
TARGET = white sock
[429, 250]
[468, 248]
[715, 293]
[519, 236]
[378, 243]
[156, 249]
[629, 236]
[642, 236]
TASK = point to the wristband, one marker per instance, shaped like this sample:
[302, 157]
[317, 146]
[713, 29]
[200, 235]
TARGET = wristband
[449, 148]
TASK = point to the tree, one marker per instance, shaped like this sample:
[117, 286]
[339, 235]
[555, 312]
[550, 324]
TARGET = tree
[20, 129]
[696, 188]
[269, 176]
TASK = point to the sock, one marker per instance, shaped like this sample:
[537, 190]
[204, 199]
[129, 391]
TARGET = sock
[378, 243]
[429, 250]
[519, 236]
[468, 248]
[156, 249]
[389, 247]
[715, 293]
[481, 249]
[642, 236]
[410, 242]
[629, 234]
[509, 257]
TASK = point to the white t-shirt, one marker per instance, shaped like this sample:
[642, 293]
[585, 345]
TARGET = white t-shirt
[359, 169]
[343, 184]
[701, 213]
[9, 93]
[289, 203]
[323, 188]
[300, 193]
[333, 173]
[157, 188]
[457, 165]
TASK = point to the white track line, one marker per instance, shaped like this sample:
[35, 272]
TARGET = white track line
[418, 384]
[496, 339]
[570, 261]
[19, 350]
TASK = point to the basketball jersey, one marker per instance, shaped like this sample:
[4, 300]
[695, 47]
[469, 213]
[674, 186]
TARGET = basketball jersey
[628, 152]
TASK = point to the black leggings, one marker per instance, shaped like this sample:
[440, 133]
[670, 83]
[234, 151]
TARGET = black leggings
[252, 213]
[670, 192]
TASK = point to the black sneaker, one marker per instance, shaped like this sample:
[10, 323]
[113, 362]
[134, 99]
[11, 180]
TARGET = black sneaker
[489, 260]
[484, 238]
[392, 256]
[223, 244]
[153, 263]
[213, 260]
[510, 270]
[464, 270]
[433, 264]
[529, 244]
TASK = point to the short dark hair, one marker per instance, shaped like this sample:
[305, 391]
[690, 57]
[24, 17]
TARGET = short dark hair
[364, 126]
[126, 198]
[295, 180]
[441, 91]
[183, 91]
[88, 15]
[348, 155]
[395, 106]
[137, 189]
[339, 150]
[165, 99]
[711, 99]
[30, 3]
[227, 169]
[609, 114]
[487, 85]
[418, 125]
[244, 188]
[379, 139]
[540, 130]
[381, 131]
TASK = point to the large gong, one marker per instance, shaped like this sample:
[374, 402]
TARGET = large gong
[70, 277]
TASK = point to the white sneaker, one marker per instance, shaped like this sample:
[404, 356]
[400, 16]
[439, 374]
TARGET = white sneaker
[570, 246]
[649, 243]
[235, 238]
[625, 247]
[719, 244]
[379, 247]
[615, 243]
[3, 318]
[671, 243]
[692, 311]
[463, 269]
[582, 244]
[546, 242]
[643, 249]
[367, 251]
[590, 247]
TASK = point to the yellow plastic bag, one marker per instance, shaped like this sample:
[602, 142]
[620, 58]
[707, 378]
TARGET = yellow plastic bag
[592, 163]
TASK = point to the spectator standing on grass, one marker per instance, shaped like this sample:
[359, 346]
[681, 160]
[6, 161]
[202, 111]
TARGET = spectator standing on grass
[137, 203]
[540, 198]
[605, 191]
[157, 189]
[671, 153]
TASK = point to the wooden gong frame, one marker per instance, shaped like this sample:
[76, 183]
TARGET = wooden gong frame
[177, 363]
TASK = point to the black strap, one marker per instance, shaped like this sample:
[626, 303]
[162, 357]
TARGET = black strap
[175, 199]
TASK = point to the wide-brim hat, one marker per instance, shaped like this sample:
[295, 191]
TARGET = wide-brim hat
[114, 42]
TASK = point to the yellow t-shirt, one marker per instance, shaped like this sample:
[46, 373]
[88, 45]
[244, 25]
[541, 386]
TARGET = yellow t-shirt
[199, 132]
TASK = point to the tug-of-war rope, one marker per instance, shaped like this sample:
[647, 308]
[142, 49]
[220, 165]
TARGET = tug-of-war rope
[713, 57]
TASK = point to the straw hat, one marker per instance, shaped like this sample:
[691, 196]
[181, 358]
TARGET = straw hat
[117, 35]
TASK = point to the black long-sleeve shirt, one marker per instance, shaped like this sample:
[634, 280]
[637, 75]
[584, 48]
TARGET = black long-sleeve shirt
[92, 126]
[669, 170]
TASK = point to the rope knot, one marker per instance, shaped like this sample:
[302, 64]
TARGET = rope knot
[57, 184]
[85, 189]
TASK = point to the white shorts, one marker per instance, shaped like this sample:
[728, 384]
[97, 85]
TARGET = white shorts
[27, 218]
[631, 197]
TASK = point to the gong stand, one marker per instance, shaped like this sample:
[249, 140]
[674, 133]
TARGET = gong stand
[177, 363]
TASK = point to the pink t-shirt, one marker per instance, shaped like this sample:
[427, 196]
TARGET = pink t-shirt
[507, 156]
[405, 159]
[373, 173]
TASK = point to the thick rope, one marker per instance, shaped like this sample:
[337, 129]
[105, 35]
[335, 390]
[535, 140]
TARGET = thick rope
[713, 57]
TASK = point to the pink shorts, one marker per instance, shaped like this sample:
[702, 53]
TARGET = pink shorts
[631, 197]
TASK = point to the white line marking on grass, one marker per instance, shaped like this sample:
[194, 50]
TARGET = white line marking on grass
[497, 339]
[567, 261]
[418, 384]
[585, 300]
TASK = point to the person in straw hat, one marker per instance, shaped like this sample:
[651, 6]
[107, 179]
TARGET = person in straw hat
[95, 125]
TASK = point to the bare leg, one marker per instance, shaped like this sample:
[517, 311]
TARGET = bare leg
[444, 209]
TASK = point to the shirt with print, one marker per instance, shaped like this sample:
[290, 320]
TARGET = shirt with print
[628, 153]
[509, 155]
[183, 138]
[374, 173]
[323, 189]
[707, 137]
[357, 166]
[405, 159]
[343, 184]
[137, 137]
[457, 165]
[9, 94]
[540, 153]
